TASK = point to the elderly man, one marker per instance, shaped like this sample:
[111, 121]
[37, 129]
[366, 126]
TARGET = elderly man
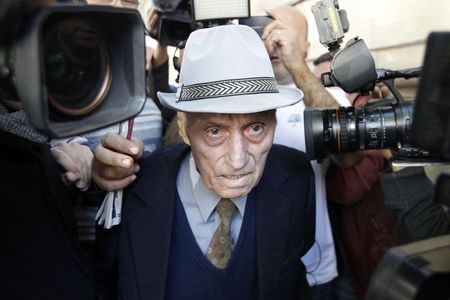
[225, 215]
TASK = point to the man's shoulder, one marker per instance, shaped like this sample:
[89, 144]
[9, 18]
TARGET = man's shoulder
[287, 165]
[288, 157]
[159, 169]
[163, 158]
[166, 153]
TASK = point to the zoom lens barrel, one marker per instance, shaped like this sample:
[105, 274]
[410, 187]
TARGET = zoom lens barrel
[348, 129]
[77, 66]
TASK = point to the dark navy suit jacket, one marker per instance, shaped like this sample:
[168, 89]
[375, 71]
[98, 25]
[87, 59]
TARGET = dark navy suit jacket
[132, 258]
[40, 254]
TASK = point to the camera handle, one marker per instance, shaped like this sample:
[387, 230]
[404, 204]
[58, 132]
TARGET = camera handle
[388, 78]
[407, 154]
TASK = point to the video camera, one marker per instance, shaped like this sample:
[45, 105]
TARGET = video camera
[76, 68]
[178, 18]
[382, 124]
[416, 130]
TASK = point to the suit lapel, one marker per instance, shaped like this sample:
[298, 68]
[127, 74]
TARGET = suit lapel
[150, 232]
[272, 213]
[150, 227]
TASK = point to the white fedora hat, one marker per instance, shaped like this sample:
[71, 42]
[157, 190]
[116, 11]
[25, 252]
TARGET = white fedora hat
[226, 69]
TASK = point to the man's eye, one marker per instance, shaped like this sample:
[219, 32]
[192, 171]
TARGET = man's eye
[213, 131]
[257, 128]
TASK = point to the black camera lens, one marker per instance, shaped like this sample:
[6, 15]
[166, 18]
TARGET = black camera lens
[177, 32]
[349, 129]
[77, 66]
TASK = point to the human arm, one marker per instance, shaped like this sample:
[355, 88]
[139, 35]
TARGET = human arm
[115, 161]
[112, 165]
[315, 95]
[158, 69]
[347, 160]
[160, 78]
[76, 160]
[158, 55]
[347, 185]
[287, 36]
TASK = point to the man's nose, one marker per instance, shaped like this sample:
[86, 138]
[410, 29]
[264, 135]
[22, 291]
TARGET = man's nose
[237, 153]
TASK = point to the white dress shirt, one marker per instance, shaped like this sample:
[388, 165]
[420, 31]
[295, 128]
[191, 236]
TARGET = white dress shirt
[199, 203]
[320, 260]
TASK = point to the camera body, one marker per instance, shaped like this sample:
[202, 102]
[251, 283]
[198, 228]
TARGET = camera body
[178, 18]
[175, 22]
[353, 68]
[419, 131]
[390, 124]
[381, 125]
[431, 126]
[332, 23]
[77, 68]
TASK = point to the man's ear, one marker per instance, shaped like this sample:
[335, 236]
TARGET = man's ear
[181, 121]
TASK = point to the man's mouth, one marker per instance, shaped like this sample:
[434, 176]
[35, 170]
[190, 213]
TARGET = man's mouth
[235, 177]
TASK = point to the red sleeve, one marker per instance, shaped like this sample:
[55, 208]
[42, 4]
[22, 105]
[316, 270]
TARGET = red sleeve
[347, 186]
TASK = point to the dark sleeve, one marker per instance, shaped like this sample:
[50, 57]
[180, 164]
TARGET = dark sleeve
[160, 83]
[160, 76]
[105, 262]
[348, 185]
[310, 234]
[306, 218]
[300, 187]
[94, 196]
[409, 195]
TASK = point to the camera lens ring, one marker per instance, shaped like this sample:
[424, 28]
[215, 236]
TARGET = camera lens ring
[97, 75]
[343, 134]
[94, 103]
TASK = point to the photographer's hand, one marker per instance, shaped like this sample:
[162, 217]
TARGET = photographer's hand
[379, 92]
[286, 39]
[114, 164]
[286, 36]
[152, 21]
[347, 160]
[76, 159]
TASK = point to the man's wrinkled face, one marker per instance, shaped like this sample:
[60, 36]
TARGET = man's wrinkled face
[230, 150]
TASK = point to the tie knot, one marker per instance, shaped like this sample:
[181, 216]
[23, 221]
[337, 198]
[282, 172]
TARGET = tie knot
[225, 208]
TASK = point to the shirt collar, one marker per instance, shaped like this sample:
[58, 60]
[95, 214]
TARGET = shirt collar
[204, 197]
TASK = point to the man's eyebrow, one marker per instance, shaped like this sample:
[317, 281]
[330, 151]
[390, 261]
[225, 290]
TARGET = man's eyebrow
[261, 119]
[264, 117]
[212, 123]
[209, 123]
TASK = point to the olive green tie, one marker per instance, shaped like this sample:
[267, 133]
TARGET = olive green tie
[219, 250]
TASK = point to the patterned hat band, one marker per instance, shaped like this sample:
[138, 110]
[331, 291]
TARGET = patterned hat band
[226, 88]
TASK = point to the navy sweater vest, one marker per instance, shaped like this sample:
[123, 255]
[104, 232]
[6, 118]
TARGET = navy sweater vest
[192, 277]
